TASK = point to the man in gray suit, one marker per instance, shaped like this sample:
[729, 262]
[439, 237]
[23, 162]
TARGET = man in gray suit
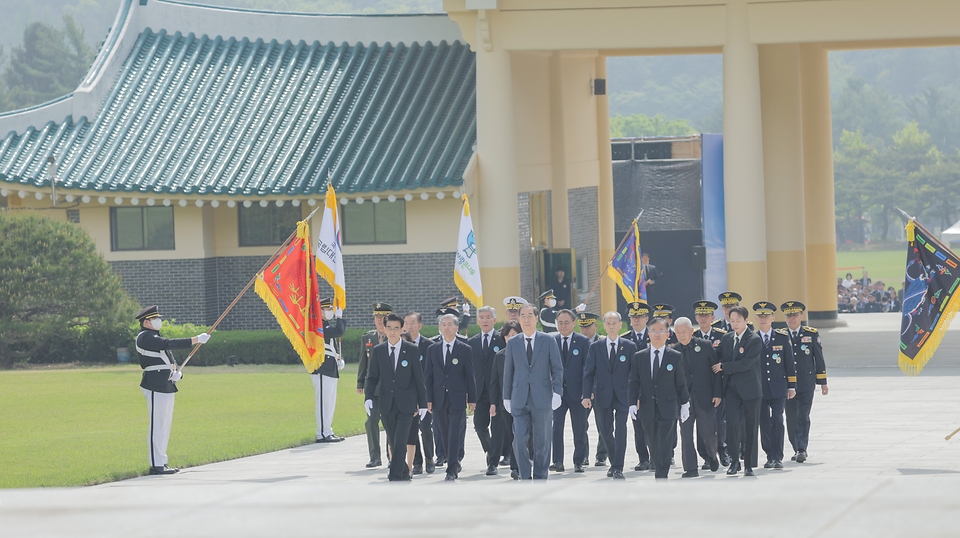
[532, 384]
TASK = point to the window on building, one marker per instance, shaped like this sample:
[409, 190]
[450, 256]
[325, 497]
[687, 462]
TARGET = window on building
[141, 228]
[267, 226]
[370, 224]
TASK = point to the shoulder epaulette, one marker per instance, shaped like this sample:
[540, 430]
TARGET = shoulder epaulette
[719, 330]
[809, 329]
[717, 322]
[782, 331]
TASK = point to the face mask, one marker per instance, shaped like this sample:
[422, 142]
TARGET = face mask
[551, 303]
[156, 323]
[327, 314]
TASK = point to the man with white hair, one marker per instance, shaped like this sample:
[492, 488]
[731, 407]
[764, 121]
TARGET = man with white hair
[703, 385]
[485, 346]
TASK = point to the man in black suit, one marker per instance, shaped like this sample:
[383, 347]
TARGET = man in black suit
[396, 378]
[639, 314]
[573, 352]
[485, 345]
[451, 386]
[740, 351]
[704, 312]
[412, 323]
[605, 378]
[658, 393]
[704, 388]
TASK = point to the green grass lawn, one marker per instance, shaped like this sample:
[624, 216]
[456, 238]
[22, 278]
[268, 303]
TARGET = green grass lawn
[885, 265]
[83, 426]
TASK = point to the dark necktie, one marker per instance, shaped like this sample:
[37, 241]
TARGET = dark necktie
[486, 343]
[529, 351]
[393, 357]
[446, 358]
[736, 344]
[566, 348]
[613, 352]
[656, 362]
[766, 341]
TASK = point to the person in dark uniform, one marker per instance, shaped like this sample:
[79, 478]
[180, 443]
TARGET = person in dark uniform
[728, 300]
[703, 385]
[561, 289]
[606, 381]
[587, 324]
[740, 351]
[449, 306]
[485, 345]
[704, 312]
[548, 316]
[513, 304]
[159, 382]
[652, 275]
[573, 352]
[665, 311]
[778, 380]
[639, 314]
[368, 341]
[502, 420]
[412, 323]
[811, 371]
[325, 377]
[395, 376]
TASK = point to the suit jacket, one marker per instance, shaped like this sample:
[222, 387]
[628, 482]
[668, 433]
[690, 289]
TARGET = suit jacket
[608, 380]
[666, 387]
[808, 352]
[154, 350]
[714, 336]
[532, 386]
[698, 360]
[495, 378]
[482, 361]
[573, 365]
[741, 369]
[456, 380]
[401, 389]
[778, 370]
[423, 346]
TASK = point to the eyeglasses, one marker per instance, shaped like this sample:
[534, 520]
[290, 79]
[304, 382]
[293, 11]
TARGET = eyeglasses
[657, 332]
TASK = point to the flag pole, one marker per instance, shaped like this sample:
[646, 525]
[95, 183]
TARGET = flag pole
[242, 292]
[952, 434]
[929, 233]
[603, 270]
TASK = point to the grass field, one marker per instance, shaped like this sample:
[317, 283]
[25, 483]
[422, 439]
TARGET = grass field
[885, 265]
[83, 426]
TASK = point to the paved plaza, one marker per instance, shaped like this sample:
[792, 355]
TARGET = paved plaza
[879, 466]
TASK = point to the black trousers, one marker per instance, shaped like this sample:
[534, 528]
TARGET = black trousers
[481, 423]
[798, 420]
[601, 446]
[771, 428]
[398, 427]
[501, 441]
[640, 441]
[705, 420]
[661, 431]
[612, 423]
[426, 433]
[578, 421]
[742, 425]
[451, 419]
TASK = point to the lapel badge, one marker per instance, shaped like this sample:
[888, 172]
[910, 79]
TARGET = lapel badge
[741, 350]
[454, 361]
[669, 367]
[696, 348]
[576, 351]
[403, 363]
[623, 358]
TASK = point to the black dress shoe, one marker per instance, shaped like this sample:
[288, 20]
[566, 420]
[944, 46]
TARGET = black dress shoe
[431, 467]
[768, 465]
[450, 478]
[610, 472]
[714, 465]
[617, 475]
[793, 457]
[600, 463]
[705, 466]
[778, 464]
[515, 475]
[642, 466]
[734, 468]
[724, 459]
[505, 461]
[418, 469]
[330, 439]
[747, 471]
[491, 470]
[441, 462]
[164, 470]
[374, 463]
[577, 468]
[801, 456]
[690, 474]
[558, 467]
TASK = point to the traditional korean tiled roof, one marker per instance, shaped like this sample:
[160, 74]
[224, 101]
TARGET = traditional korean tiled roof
[232, 116]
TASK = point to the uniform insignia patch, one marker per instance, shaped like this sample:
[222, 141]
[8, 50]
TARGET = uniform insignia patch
[806, 339]
[777, 348]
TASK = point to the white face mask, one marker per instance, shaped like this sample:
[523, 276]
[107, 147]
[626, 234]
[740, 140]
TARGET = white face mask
[327, 314]
[156, 323]
[551, 303]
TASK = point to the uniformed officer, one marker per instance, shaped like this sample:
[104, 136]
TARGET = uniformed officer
[587, 324]
[160, 375]
[325, 377]
[639, 314]
[704, 312]
[728, 300]
[811, 371]
[778, 379]
[548, 316]
[368, 341]
[665, 311]
[513, 304]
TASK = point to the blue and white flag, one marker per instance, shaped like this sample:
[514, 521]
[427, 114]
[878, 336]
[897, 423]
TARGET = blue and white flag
[466, 270]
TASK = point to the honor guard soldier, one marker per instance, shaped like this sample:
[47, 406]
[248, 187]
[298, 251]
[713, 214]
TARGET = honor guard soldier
[587, 324]
[704, 312]
[811, 371]
[513, 304]
[159, 382]
[548, 316]
[325, 377]
[639, 314]
[666, 311]
[778, 379]
[368, 341]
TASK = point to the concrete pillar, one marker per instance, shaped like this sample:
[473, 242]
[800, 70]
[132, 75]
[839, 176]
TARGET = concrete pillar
[608, 289]
[498, 224]
[820, 222]
[559, 207]
[783, 173]
[743, 161]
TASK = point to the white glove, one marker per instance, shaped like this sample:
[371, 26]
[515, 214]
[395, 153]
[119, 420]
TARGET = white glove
[338, 313]
[341, 364]
[368, 406]
[466, 308]
[176, 376]
[506, 405]
[581, 307]
[633, 412]
[684, 412]
[202, 338]
[555, 404]
[423, 413]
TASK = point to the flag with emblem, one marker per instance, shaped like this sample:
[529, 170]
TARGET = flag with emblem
[929, 297]
[466, 268]
[329, 251]
[290, 287]
[626, 267]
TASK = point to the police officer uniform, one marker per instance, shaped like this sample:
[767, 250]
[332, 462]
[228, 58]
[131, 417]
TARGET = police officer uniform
[811, 371]
[325, 377]
[665, 311]
[586, 319]
[713, 335]
[158, 383]
[368, 341]
[778, 375]
[642, 341]
[548, 316]
[728, 299]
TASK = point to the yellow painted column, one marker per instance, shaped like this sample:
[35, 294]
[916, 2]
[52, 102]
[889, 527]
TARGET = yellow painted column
[783, 173]
[820, 221]
[743, 191]
[608, 289]
[559, 207]
[498, 223]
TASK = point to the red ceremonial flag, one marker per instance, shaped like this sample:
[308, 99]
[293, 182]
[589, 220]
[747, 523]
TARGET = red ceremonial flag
[289, 287]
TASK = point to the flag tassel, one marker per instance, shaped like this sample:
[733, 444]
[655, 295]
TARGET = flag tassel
[913, 366]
